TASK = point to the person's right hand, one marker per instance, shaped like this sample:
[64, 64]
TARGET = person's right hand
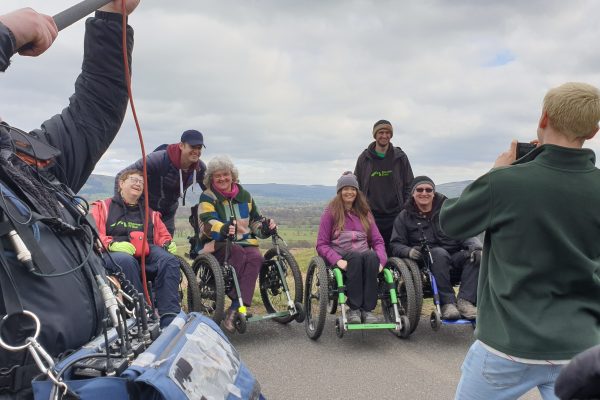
[342, 264]
[414, 254]
[34, 33]
[115, 6]
[228, 229]
[123, 247]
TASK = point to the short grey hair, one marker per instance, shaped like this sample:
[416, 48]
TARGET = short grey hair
[220, 163]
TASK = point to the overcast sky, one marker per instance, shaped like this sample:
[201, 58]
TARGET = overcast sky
[291, 89]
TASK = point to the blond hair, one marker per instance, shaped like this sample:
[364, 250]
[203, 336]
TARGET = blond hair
[573, 109]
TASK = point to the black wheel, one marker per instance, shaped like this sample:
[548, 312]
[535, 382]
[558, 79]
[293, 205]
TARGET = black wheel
[405, 290]
[415, 271]
[339, 327]
[188, 288]
[209, 276]
[240, 323]
[300, 314]
[435, 321]
[333, 292]
[406, 330]
[272, 290]
[316, 297]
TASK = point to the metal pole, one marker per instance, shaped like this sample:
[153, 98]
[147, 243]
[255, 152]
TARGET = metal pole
[76, 12]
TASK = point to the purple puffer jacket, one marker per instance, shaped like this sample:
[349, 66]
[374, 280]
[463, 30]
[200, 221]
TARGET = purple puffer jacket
[327, 236]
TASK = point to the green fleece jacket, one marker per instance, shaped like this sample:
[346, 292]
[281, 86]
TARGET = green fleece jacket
[539, 284]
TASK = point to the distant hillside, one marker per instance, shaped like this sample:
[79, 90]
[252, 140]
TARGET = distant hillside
[101, 186]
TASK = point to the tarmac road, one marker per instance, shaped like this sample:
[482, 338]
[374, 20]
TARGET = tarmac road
[362, 365]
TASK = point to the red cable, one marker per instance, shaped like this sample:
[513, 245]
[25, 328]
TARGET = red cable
[141, 139]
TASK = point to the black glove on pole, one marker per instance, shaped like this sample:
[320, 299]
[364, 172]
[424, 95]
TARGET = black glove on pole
[75, 13]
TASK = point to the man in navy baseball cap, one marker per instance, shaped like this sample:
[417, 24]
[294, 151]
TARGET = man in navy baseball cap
[193, 138]
[172, 169]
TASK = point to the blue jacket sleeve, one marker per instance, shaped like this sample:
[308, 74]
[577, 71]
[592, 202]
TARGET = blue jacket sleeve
[85, 129]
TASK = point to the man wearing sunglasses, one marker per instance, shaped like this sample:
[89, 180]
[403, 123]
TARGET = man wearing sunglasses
[421, 216]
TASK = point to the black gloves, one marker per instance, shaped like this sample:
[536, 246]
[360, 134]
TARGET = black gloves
[264, 227]
[224, 231]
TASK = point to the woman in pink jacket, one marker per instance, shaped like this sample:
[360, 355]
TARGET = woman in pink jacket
[349, 239]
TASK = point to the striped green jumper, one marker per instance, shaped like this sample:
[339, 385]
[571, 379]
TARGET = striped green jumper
[215, 210]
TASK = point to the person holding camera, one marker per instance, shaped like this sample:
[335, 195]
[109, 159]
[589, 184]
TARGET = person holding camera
[120, 223]
[421, 218]
[38, 177]
[227, 210]
[538, 291]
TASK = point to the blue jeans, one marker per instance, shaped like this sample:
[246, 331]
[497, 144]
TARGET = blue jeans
[487, 376]
[162, 268]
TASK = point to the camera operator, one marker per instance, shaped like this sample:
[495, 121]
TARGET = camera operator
[37, 180]
[538, 290]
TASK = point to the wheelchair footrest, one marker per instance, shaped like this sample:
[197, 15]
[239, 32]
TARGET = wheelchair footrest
[356, 327]
[461, 321]
[268, 316]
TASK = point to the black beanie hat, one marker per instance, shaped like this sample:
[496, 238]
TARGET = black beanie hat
[419, 180]
[382, 124]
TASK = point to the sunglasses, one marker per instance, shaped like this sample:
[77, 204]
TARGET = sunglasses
[421, 190]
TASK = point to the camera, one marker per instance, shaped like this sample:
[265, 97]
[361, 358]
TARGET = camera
[524, 148]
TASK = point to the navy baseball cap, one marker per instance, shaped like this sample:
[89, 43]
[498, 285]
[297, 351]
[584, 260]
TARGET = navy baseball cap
[193, 138]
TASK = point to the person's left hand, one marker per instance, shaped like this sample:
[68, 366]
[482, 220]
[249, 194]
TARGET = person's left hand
[476, 256]
[116, 5]
[508, 157]
[172, 248]
[380, 267]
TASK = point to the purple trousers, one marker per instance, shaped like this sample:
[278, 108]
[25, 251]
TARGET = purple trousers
[247, 262]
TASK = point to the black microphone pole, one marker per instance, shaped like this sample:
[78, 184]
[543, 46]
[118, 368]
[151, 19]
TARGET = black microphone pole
[76, 12]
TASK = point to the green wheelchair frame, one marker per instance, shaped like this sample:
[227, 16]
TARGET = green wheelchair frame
[325, 289]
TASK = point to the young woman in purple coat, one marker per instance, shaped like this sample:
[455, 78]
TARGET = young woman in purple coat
[349, 239]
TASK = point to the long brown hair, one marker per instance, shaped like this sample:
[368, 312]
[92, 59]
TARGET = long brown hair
[360, 208]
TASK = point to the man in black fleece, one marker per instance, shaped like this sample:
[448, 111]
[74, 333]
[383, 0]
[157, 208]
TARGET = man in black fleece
[384, 175]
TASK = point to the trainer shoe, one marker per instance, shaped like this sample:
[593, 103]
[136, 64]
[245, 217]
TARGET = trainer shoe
[229, 321]
[449, 311]
[466, 309]
[353, 316]
[370, 318]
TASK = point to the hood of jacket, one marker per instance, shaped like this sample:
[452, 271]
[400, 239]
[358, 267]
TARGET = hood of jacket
[398, 152]
[174, 153]
[438, 200]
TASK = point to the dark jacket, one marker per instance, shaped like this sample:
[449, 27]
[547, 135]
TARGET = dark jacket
[166, 179]
[69, 306]
[580, 379]
[406, 233]
[402, 172]
[539, 282]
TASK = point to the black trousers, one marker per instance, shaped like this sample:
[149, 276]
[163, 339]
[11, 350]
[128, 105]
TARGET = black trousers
[361, 279]
[385, 225]
[462, 267]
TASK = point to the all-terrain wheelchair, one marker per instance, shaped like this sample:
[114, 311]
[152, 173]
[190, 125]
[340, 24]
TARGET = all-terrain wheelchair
[279, 280]
[325, 290]
[425, 287]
